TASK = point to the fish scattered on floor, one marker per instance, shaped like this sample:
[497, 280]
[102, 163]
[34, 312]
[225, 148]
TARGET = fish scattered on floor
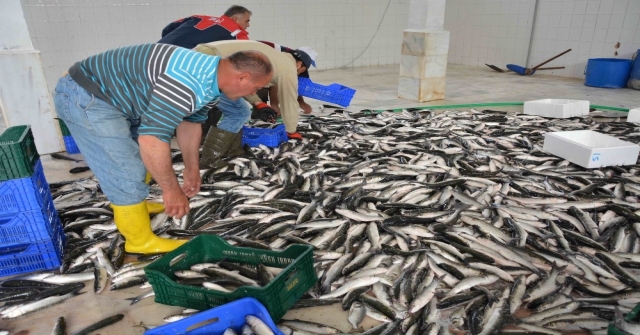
[60, 327]
[415, 218]
[79, 169]
[65, 157]
[100, 324]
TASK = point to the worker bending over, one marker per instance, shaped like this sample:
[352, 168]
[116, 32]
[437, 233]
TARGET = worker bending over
[225, 139]
[122, 108]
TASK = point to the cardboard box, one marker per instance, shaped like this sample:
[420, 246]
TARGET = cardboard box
[557, 108]
[634, 115]
[591, 149]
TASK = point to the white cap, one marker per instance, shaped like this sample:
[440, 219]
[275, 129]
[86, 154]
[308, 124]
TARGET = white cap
[313, 54]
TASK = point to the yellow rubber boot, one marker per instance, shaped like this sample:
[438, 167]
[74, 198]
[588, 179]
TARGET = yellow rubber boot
[134, 224]
[154, 207]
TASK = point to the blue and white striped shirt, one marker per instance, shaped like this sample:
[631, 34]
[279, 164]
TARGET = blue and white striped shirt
[158, 84]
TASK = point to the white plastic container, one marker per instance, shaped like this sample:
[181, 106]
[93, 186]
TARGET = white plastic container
[634, 115]
[557, 108]
[591, 149]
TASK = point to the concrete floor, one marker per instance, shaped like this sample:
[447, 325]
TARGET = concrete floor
[376, 89]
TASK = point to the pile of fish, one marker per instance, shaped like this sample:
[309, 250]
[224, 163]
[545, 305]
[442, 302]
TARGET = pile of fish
[427, 222]
[226, 276]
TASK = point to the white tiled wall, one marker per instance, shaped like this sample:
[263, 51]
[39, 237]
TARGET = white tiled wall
[592, 28]
[66, 31]
[488, 31]
[496, 32]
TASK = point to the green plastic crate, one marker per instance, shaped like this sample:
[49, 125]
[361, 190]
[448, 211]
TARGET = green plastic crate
[631, 316]
[63, 128]
[296, 278]
[18, 153]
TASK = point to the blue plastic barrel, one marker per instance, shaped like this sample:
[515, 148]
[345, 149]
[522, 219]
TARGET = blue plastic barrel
[634, 78]
[607, 72]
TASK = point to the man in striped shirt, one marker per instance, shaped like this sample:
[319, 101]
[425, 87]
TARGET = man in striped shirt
[122, 107]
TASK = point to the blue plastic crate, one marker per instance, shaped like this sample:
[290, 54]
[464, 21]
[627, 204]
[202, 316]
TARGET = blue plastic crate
[29, 226]
[231, 315]
[24, 194]
[70, 144]
[34, 256]
[269, 137]
[334, 93]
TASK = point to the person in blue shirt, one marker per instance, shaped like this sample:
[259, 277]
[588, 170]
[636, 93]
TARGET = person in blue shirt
[122, 107]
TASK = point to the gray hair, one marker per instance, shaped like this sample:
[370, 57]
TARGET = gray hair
[253, 62]
[236, 10]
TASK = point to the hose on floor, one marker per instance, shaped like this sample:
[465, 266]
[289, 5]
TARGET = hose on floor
[495, 104]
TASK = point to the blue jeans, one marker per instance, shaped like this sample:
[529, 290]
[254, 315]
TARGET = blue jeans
[234, 113]
[107, 138]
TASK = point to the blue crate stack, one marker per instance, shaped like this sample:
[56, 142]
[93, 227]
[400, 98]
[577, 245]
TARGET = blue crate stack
[70, 145]
[69, 142]
[31, 234]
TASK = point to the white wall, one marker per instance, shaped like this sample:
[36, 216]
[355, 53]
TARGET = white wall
[488, 31]
[592, 28]
[24, 95]
[66, 31]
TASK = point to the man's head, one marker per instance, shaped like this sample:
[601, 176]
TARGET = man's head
[239, 15]
[305, 57]
[244, 73]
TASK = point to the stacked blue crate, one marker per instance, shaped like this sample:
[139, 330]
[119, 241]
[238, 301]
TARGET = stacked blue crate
[31, 234]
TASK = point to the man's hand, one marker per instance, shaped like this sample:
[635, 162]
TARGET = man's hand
[266, 113]
[306, 108]
[294, 136]
[176, 203]
[192, 181]
[156, 156]
[188, 134]
[277, 109]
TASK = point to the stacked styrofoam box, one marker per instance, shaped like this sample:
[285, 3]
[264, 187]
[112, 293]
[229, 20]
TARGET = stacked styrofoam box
[31, 234]
[591, 149]
[634, 115]
[557, 108]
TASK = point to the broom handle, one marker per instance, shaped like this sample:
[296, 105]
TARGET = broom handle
[550, 59]
[550, 68]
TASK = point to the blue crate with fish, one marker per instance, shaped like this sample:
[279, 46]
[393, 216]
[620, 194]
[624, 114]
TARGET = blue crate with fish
[334, 93]
[29, 226]
[217, 320]
[265, 136]
[70, 145]
[33, 256]
[24, 194]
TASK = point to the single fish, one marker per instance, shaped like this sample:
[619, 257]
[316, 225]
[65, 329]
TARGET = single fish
[64, 157]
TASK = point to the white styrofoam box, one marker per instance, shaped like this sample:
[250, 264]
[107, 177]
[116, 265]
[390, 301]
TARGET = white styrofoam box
[634, 115]
[557, 108]
[591, 149]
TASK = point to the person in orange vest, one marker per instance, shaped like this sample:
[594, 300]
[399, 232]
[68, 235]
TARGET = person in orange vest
[191, 31]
